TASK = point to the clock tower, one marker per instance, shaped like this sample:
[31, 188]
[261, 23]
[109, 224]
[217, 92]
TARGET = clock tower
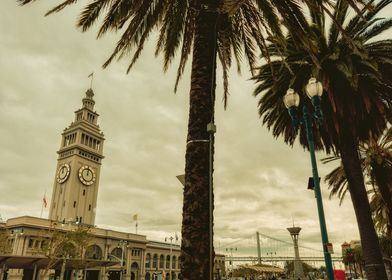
[75, 188]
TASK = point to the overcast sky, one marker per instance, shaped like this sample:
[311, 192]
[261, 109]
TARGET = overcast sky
[260, 183]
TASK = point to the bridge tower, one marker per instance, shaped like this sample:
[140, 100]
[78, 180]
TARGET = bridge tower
[298, 269]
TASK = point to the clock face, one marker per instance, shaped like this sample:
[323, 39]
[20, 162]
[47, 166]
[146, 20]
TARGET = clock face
[87, 175]
[63, 173]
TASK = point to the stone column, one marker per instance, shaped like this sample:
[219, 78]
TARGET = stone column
[298, 269]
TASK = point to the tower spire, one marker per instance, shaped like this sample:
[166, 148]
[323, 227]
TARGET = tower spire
[88, 100]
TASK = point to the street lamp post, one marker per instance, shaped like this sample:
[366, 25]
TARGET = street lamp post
[122, 244]
[314, 91]
[171, 238]
[231, 259]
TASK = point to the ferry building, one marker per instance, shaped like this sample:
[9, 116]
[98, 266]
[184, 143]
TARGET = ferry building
[108, 254]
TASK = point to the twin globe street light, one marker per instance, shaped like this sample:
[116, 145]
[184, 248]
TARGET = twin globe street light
[314, 91]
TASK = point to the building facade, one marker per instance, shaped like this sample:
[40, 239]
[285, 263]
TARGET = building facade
[109, 254]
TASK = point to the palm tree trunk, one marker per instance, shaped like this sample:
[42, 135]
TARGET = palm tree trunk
[195, 215]
[382, 181]
[374, 266]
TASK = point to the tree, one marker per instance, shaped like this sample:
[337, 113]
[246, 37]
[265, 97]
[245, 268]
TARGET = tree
[5, 244]
[60, 245]
[357, 102]
[209, 28]
[376, 163]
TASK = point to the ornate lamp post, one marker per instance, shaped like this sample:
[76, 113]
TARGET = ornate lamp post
[123, 245]
[171, 238]
[231, 259]
[314, 91]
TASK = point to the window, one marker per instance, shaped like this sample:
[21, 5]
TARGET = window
[155, 261]
[31, 242]
[174, 258]
[84, 192]
[74, 204]
[161, 261]
[89, 207]
[167, 261]
[148, 260]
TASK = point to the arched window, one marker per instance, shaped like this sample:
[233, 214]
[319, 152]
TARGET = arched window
[148, 262]
[161, 261]
[117, 253]
[134, 266]
[167, 261]
[94, 252]
[174, 261]
[155, 261]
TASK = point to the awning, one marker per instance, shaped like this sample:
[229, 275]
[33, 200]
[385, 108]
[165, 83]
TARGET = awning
[260, 269]
[29, 262]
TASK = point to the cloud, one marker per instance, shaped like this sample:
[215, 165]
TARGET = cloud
[260, 183]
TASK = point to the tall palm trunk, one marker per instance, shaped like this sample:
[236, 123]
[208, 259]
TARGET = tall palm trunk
[382, 180]
[374, 266]
[195, 215]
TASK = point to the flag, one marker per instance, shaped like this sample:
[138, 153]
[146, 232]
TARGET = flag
[135, 217]
[89, 76]
[44, 201]
[176, 237]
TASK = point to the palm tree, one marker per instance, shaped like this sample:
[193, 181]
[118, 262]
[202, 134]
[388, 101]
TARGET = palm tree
[376, 163]
[227, 28]
[357, 99]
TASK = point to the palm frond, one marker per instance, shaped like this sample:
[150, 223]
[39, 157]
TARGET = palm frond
[61, 6]
[186, 44]
[376, 29]
[340, 14]
[91, 13]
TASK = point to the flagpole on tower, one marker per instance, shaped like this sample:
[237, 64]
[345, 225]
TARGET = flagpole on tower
[44, 204]
[92, 78]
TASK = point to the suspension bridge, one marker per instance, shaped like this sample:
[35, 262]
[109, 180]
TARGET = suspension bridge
[271, 250]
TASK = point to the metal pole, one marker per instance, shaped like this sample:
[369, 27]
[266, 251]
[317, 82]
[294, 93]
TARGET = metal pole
[170, 261]
[122, 259]
[258, 247]
[232, 263]
[317, 192]
[62, 269]
[211, 129]
[2, 272]
[35, 272]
